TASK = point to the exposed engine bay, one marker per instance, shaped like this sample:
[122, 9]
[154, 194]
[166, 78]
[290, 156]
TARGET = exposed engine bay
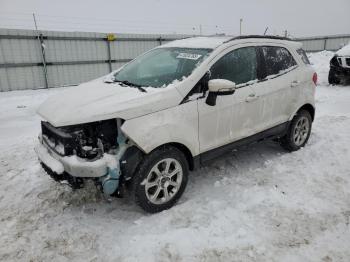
[87, 141]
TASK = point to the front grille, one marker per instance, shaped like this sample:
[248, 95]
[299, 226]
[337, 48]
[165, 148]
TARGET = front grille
[339, 61]
[347, 61]
[59, 141]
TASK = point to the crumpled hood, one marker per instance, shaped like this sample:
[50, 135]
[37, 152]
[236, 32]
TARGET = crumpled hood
[96, 100]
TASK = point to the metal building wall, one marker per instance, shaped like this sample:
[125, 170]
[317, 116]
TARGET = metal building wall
[14, 51]
[330, 43]
[62, 51]
[71, 57]
[76, 57]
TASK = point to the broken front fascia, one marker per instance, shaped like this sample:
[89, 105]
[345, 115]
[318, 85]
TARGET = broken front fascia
[110, 182]
[106, 169]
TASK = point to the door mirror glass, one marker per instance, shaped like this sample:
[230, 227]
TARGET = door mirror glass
[219, 87]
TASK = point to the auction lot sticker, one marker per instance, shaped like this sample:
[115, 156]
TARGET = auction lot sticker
[189, 56]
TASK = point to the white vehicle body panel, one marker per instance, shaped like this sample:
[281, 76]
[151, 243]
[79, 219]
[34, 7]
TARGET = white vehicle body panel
[96, 100]
[232, 118]
[173, 125]
[158, 117]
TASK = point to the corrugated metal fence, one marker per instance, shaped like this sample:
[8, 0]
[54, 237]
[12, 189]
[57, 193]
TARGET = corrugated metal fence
[74, 57]
[331, 43]
[69, 57]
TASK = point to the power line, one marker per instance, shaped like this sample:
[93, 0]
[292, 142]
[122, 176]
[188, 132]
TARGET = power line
[49, 22]
[50, 17]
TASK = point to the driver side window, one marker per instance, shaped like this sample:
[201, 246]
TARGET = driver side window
[238, 66]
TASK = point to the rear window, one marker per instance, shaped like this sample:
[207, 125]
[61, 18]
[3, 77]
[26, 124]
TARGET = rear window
[277, 59]
[303, 56]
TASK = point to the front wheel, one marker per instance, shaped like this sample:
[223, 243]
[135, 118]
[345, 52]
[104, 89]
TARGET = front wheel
[160, 179]
[298, 132]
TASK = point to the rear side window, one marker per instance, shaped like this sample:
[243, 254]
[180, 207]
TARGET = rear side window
[277, 59]
[238, 66]
[303, 56]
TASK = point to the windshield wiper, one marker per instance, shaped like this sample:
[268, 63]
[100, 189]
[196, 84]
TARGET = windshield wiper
[126, 82]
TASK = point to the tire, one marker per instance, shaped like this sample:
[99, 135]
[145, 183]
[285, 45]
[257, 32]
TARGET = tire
[298, 132]
[156, 185]
[332, 78]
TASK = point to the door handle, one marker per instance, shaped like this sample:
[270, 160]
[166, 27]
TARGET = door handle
[295, 83]
[251, 98]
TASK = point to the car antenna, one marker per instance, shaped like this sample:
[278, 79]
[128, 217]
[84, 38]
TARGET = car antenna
[266, 30]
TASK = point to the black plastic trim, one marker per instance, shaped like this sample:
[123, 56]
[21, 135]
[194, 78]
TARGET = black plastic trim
[260, 37]
[274, 132]
[130, 161]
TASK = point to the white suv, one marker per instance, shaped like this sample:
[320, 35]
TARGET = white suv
[174, 108]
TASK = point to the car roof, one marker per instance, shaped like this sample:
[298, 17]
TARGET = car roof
[199, 42]
[212, 42]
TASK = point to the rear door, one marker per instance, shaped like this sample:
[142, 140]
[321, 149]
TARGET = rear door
[278, 90]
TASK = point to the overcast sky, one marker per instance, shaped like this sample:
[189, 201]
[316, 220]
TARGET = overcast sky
[299, 17]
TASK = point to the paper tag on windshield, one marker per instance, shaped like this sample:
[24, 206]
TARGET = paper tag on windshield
[188, 56]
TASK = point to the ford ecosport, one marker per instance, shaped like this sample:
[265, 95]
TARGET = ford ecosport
[174, 108]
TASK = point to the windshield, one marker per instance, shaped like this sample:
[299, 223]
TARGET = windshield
[161, 66]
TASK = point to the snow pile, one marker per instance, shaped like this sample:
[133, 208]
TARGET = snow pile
[320, 61]
[255, 204]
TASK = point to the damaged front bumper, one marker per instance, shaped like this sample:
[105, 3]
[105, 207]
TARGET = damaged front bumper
[73, 165]
[105, 170]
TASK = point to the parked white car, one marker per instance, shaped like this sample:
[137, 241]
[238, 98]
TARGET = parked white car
[174, 108]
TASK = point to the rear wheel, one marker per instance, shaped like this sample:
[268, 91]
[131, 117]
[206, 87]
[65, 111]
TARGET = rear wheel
[298, 132]
[160, 180]
[333, 78]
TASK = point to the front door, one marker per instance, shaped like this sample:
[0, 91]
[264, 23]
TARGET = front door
[234, 116]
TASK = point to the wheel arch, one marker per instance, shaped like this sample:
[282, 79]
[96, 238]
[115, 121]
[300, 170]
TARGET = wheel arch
[309, 108]
[134, 155]
[186, 151]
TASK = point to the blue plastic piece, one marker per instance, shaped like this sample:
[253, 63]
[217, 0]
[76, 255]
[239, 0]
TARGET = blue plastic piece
[110, 182]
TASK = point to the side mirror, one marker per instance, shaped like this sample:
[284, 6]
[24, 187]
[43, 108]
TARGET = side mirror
[219, 87]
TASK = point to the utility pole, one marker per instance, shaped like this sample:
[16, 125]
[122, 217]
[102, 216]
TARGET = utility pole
[200, 29]
[194, 31]
[42, 48]
[240, 26]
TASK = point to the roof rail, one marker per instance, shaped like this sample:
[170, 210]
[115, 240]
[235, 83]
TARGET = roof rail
[258, 36]
[217, 35]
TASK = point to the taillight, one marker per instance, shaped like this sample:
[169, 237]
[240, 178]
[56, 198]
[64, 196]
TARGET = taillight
[314, 78]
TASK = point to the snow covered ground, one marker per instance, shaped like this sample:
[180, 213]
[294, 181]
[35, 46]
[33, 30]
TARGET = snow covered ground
[257, 204]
